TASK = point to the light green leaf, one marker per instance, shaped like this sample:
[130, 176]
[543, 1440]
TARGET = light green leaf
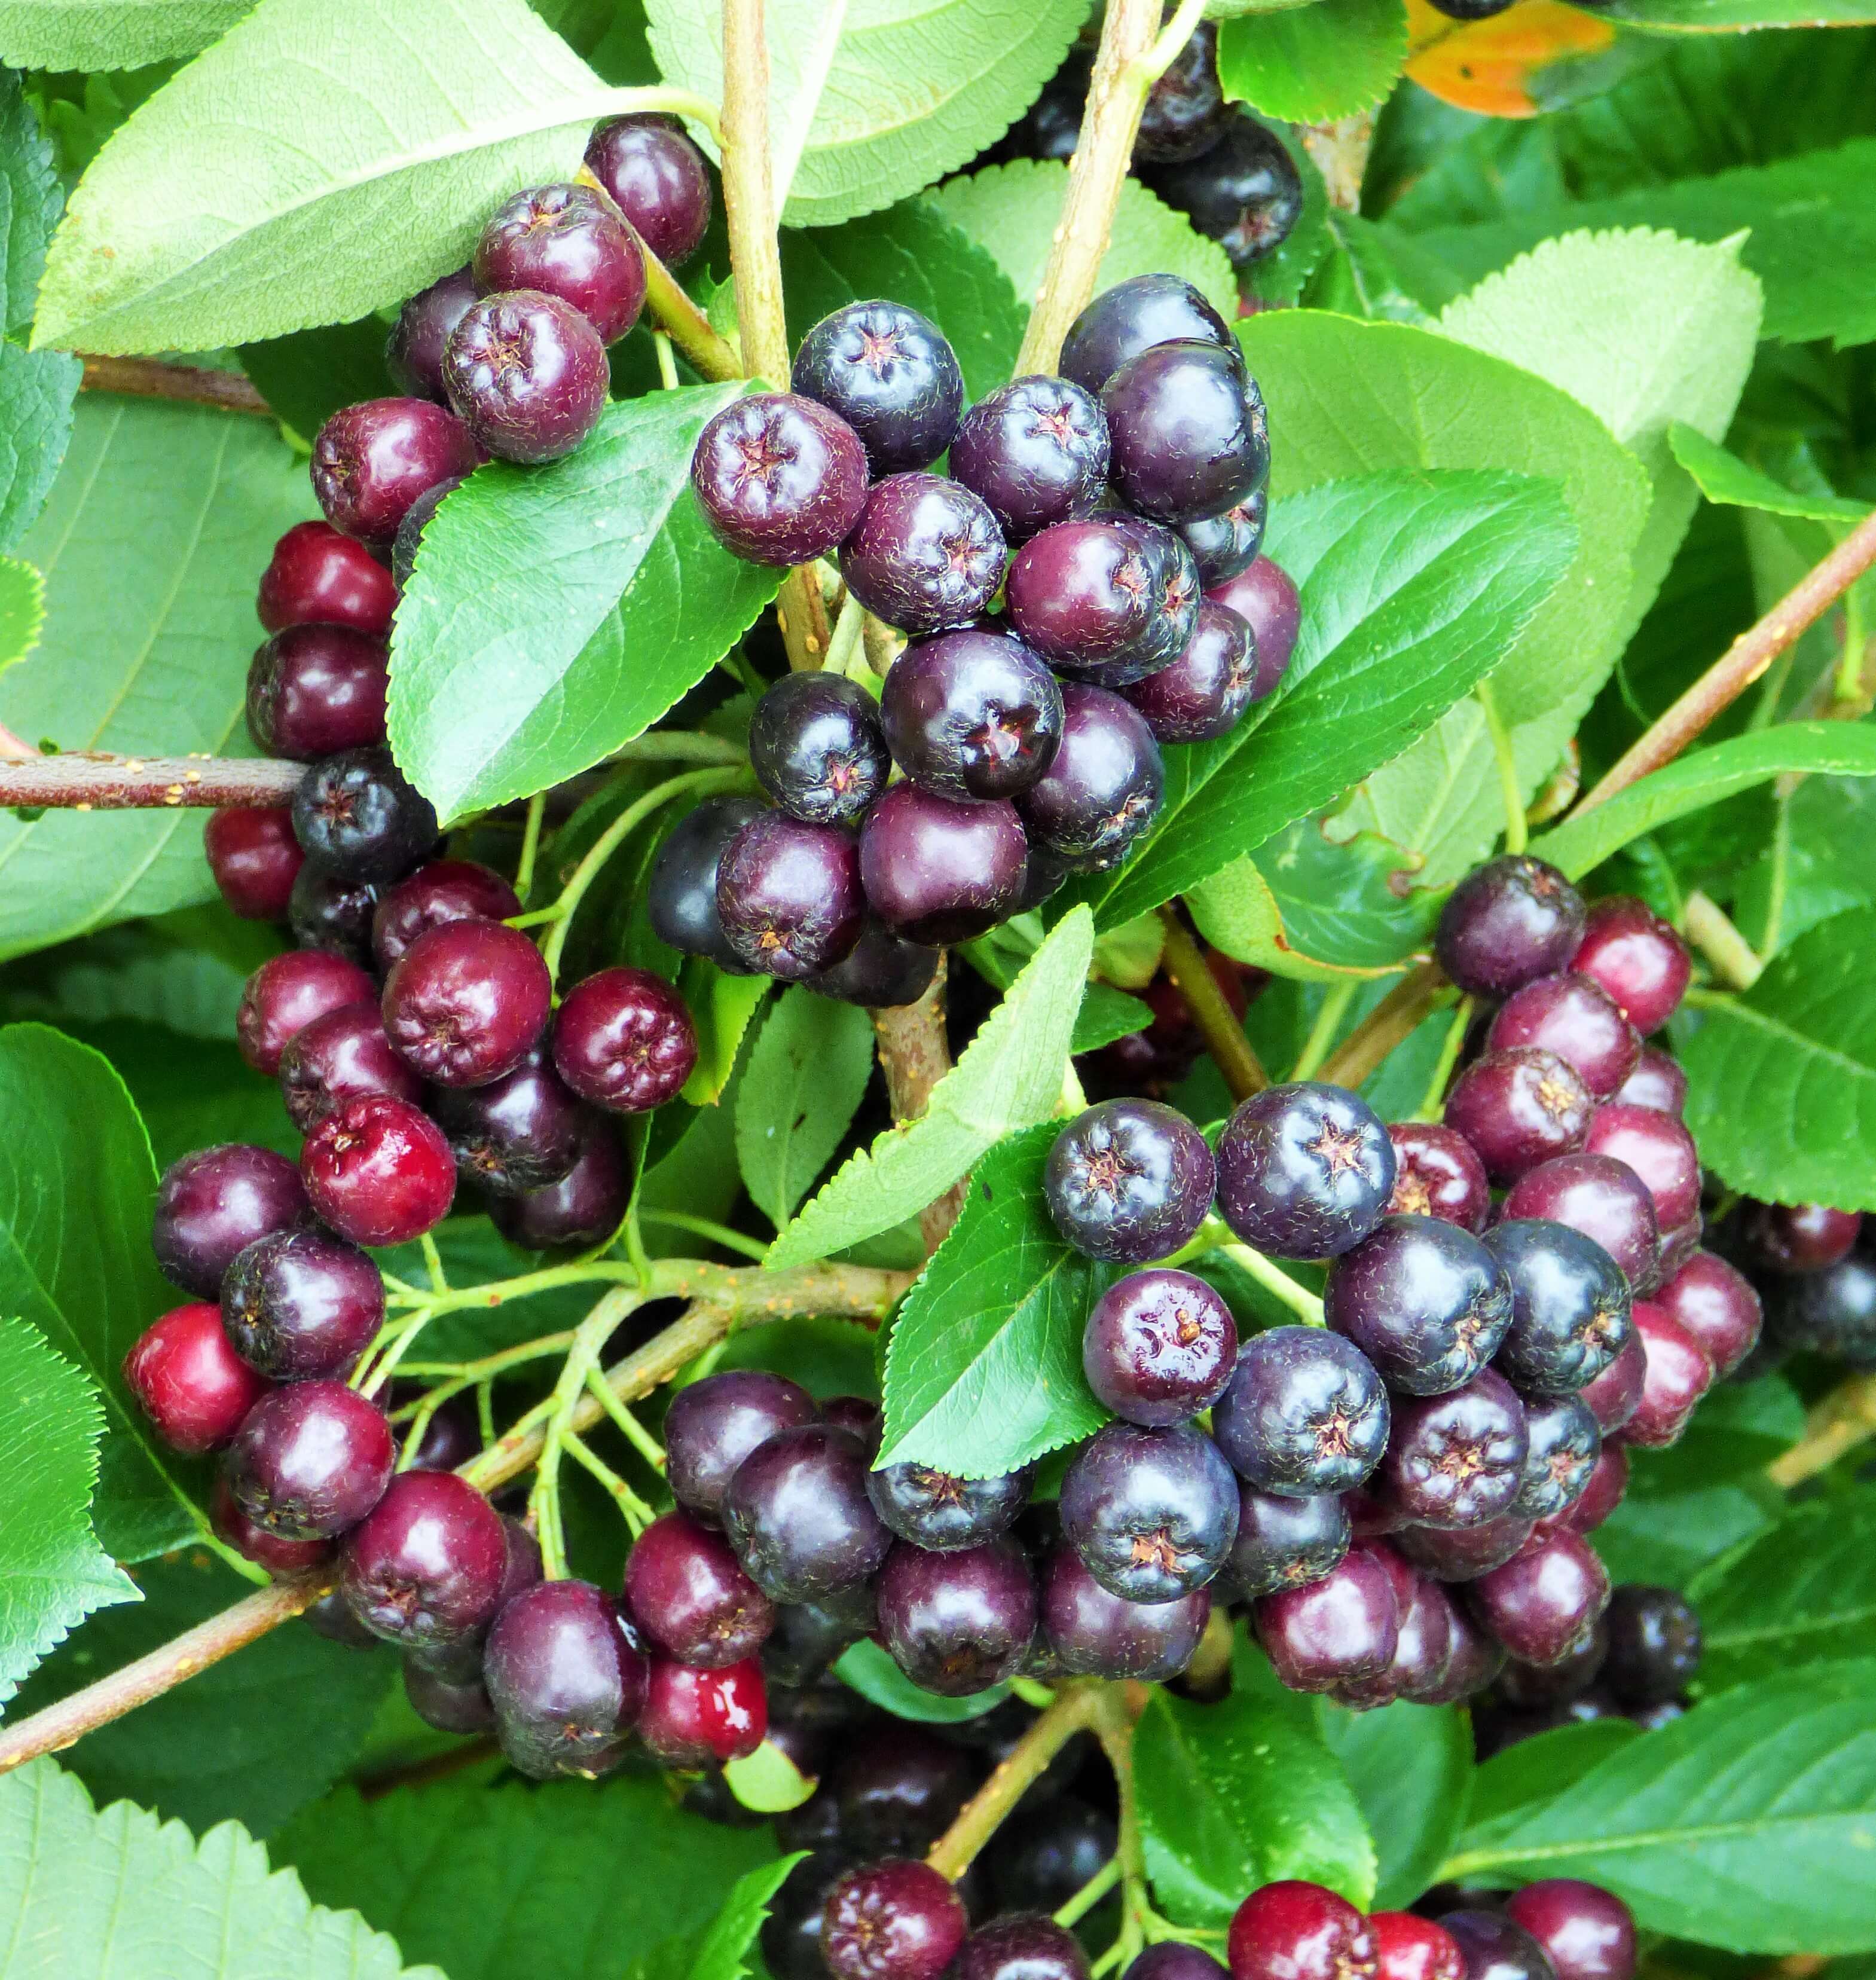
[74, 1259]
[1727, 17]
[1804, 1593]
[318, 162]
[554, 612]
[868, 102]
[1411, 1767]
[1014, 210]
[807, 1072]
[1725, 477]
[109, 34]
[1746, 1825]
[1009, 1077]
[724, 1954]
[22, 609]
[53, 1573]
[723, 1006]
[1310, 63]
[867, 1668]
[151, 544]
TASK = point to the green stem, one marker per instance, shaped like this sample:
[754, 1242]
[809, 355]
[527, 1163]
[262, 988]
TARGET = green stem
[667, 364]
[985, 1813]
[549, 1278]
[590, 1340]
[1091, 1893]
[681, 322]
[1850, 667]
[1778, 883]
[1516, 836]
[629, 1427]
[638, 1515]
[1430, 1108]
[1114, 1721]
[1322, 1033]
[530, 845]
[705, 1226]
[673, 102]
[1218, 1024]
[1275, 1280]
[1711, 931]
[1173, 37]
[432, 1264]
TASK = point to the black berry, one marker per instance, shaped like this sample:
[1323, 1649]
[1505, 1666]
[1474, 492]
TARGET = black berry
[1570, 1305]
[942, 1513]
[1424, 1300]
[1129, 1181]
[1095, 1634]
[566, 1679]
[681, 896]
[789, 896]
[816, 748]
[1102, 790]
[356, 815]
[336, 1058]
[971, 714]
[1305, 1171]
[888, 372]
[1507, 923]
[1113, 596]
[797, 1513]
[1305, 1412]
[519, 1133]
[1244, 192]
[1188, 431]
[1205, 691]
[925, 554]
[711, 1425]
[1455, 1460]
[1153, 1512]
[423, 1569]
[1129, 318]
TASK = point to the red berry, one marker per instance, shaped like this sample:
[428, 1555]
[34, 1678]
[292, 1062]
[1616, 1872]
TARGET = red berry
[692, 1716]
[894, 1920]
[194, 1387]
[286, 994]
[1544, 1602]
[318, 577]
[379, 1171]
[1587, 1931]
[1798, 1237]
[688, 1594]
[1409, 1948]
[254, 858]
[625, 1040]
[424, 1568]
[336, 1058]
[1677, 1374]
[445, 890]
[1718, 1305]
[1607, 1481]
[372, 461]
[1660, 1151]
[311, 1460]
[467, 1002]
[1572, 1015]
[1296, 1930]
[1437, 1173]
[313, 690]
[1637, 958]
[656, 178]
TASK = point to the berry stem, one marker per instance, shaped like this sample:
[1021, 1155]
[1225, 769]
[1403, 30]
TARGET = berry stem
[94, 780]
[530, 845]
[1516, 834]
[589, 1341]
[1710, 929]
[1218, 1025]
[706, 1227]
[1116, 94]
[1742, 663]
[638, 1515]
[686, 326]
[1073, 1712]
[629, 1427]
[1116, 1714]
[1275, 1280]
[915, 1055]
[1431, 1103]
[1091, 1893]
[1843, 1419]
[1321, 1036]
[1411, 1001]
[189, 384]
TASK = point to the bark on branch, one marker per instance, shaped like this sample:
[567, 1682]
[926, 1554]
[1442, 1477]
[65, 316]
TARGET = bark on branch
[94, 780]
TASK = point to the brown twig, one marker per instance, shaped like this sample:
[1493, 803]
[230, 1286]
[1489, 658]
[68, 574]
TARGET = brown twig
[1217, 1022]
[1339, 152]
[192, 384]
[985, 1813]
[1742, 663]
[1412, 1000]
[915, 1055]
[94, 780]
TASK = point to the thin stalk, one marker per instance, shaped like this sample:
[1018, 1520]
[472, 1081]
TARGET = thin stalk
[801, 613]
[915, 1055]
[192, 385]
[1091, 1893]
[500, 1292]
[628, 1426]
[1414, 999]
[432, 1264]
[1845, 1418]
[982, 1816]
[667, 364]
[1849, 680]
[1516, 834]
[1274, 1280]
[679, 320]
[1430, 1108]
[589, 1339]
[705, 1226]
[1711, 931]
[1323, 1032]
[1217, 1022]
[530, 845]
[638, 1515]
[1779, 881]
[1116, 1713]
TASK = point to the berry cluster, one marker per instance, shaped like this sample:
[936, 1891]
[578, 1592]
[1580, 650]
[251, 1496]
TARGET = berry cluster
[1136, 611]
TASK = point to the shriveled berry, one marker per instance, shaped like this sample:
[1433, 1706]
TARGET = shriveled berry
[1716, 1304]
[372, 461]
[1153, 1512]
[893, 1920]
[889, 373]
[925, 554]
[1572, 1015]
[444, 890]
[423, 1568]
[655, 177]
[1129, 1181]
[1660, 1151]
[569, 242]
[780, 479]
[625, 1040]
[1158, 1347]
[1305, 1170]
[1637, 958]
[789, 895]
[1676, 1375]
[1187, 429]
[1655, 1645]
[1570, 1305]
[1130, 317]
[1036, 451]
[316, 576]
[413, 351]
[1204, 692]
[693, 1717]
[379, 1171]
[566, 1680]
[1424, 1300]
[1457, 1460]
[1110, 596]
[816, 748]
[1507, 923]
[1244, 192]
[311, 1460]
[943, 1513]
[313, 690]
[1437, 1173]
[1601, 1198]
[301, 1305]
[713, 1425]
[1095, 1634]
[1565, 1443]
[286, 994]
[957, 1623]
[1340, 1630]
[1543, 1604]
[681, 896]
[1282, 1543]
[686, 1592]
[215, 1203]
[1518, 1108]
[971, 715]
[1102, 788]
[797, 1513]
[194, 1387]
[1305, 1412]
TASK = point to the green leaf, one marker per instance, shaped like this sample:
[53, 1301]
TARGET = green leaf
[261, 192]
[494, 1882]
[554, 612]
[1707, 777]
[917, 256]
[109, 34]
[307, 376]
[983, 1368]
[1781, 1079]
[724, 1954]
[1242, 1793]
[1013, 212]
[151, 544]
[1725, 477]
[1106, 1013]
[251, 1739]
[37, 389]
[1820, 870]
[1009, 1077]
[868, 102]
[1721, 17]
[1411, 1767]
[1804, 1593]
[22, 609]
[74, 1261]
[30, 200]
[1413, 586]
[866, 1668]
[1311, 64]
[807, 1073]
[87, 1896]
[1746, 1825]
[53, 1573]
[192, 1095]
[723, 1007]
[1526, 1776]
[1279, 276]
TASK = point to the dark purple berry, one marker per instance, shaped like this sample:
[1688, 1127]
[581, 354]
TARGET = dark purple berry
[379, 1171]
[1565, 1443]
[423, 1569]
[1185, 115]
[881, 971]
[1494, 1946]
[1463, 1553]
[1507, 923]
[1437, 1173]
[528, 374]
[519, 1133]
[301, 1305]
[816, 749]
[215, 1202]
[1424, 1300]
[625, 1040]
[681, 897]
[194, 1387]
[1264, 597]
[1102, 790]
[410, 537]
[1205, 692]
[1172, 1959]
[1244, 192]
[448, 1706]
[1153, 1512]
[894, 1920]
[1543, 1604]
[277, 1556]
[1797, 1238]
[655, 177]
[780, 479]
[711, 1425]
[1058, 1849]
[798, 1515]
[286, 994]
[789, 896]
[311, 1460]
[925, 554]
[686, 1592]
[1305, 1412]
[1094, 1633]
[888, 372]
[314, 690]
[565, 1679]
[372, 461]
[1130, 317]
[1187, 429]
[1455, 1460]
[1656, 1081]
[1036, 450]
[957, 1623]
[1159, 1346]
[1305, 1171]
[899, 1787]
[568, 242]
[971, 715]
[1718, 1305]
[1222, 546]
[1112, 597]
[1282, 1543]
[338, 1057]
[937, 871]
[1570, 1305]
[1587, 1932]
[1337, 1631]
[254, 858]
[1637, 959]
[1655, 1645]
[1519, 1108]
[943, 1514]
[413, 351]
[1573, 1016]
[467, 1002]
[583, 1208]
[357, 815]
[1129, 1181]
[330, 913]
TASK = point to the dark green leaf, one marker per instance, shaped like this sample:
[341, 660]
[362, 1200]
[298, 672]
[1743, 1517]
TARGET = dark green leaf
[37, 392]
[193, 1095]
[1820, 869]
[307, 376]
[1411, 1767]
[1804, 1593]
[808, 1072]
[30, 201]
[1669, 1537]
[1725, 477]
[868, 1670]
[1310, 63]
[1722, 17]
[724, 1953]
[1526, 1776]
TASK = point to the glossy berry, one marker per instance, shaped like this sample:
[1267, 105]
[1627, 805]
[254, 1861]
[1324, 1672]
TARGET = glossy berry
[625, 1040]
[1158, 1347]
[893, 1920]
[1110, 595]
[1153, 1512]
[1507, 923]
[687, 1593]
[317, 577]
[1678, 1245]
[1407, 1946]
[301, 1305]
[899, 1787]
[277, 1556]
[1797, 1238]
[379, 1171]
[1223, 545]
[1654, 1645]
[888, 372]
[1305, 1412]
[816, 748]
[1130, 317]
[1660, 1151]
[1204, 692]
[1102, 788]
[566, 1679]
[925, 554]
[1455, 1460]
[467, 1002]
[937, 871]
[1637, 959]
[448, 1706]
[313, 690]
[1424, 1300]
[215, 1203]
[881, 971]
[1718, 1305]
[444, 890]
[583, 1208]
[413, 351]
[1518, 1108]
[1676, 1375]
[1021, 1948]
[711, 1425]
[566, 242]
[254, 858]
[1463, 1553]
[1587, 1933]
[286, 994]
[1601, 1199]
[693, 1717]
[1305, 1171]
[1657, 1081]
[789, 897]
[1095, 1634]
[957, 1624]
[1607, 1483]
[1565, 1442]
[356, 814]
[797, 1513]
[1544, 1602]
[1053, 1855]
[331, 914]
[518, 1133]
[681, 896]
[1437, 1173]
[970, 715]
[780, 479]
[1185, 113]
[942, 1513]
[1171, 1959]
[1245, 192]
[1265, 597]
[655, 177]
[311, 1460]
[1282, 1543]
[1612, 1396]
[1570, 1305]
[1187, 431]
[1572, 1015]
[1495, 1946]
[1129, 1181]
[527, 373]
[1423, 1639]
[338, 1057]
[372, 461]
[1339, 1631]
[423, 1569]
[195, 1390]
[1036, 451]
